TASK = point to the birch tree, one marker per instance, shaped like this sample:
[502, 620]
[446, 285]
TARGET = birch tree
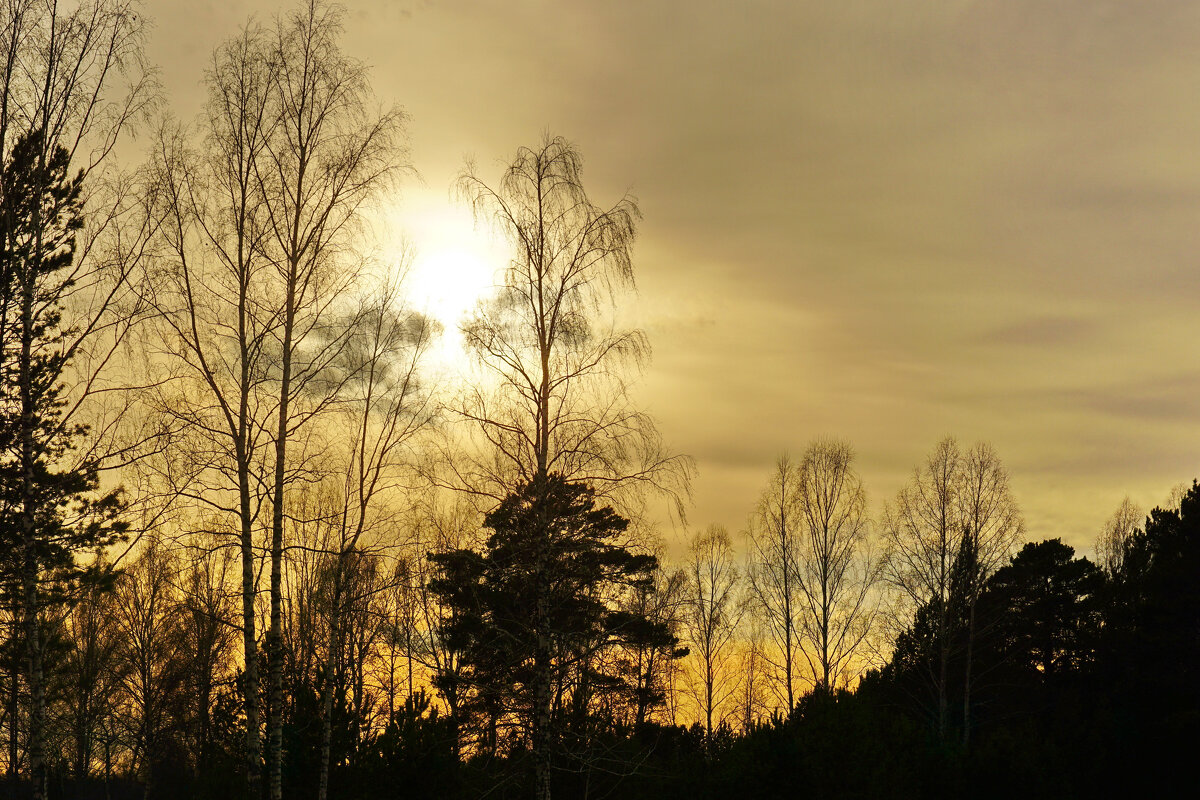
[773, 576]
[553, 401]
[713, 614]
[328, 154]
[992, 528]
[923, 529]
[836, 568]
[1114, 537]
[210, 287]
[957, 507]
[259, 264]
[556, 398]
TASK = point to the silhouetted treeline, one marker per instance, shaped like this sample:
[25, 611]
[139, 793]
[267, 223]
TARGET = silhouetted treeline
[1085, 685]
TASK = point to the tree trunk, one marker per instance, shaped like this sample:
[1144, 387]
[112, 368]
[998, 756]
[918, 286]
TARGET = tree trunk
[249, 643]
[408, 652]
[785, 562]
[542, 660]
[825, 614]
[327, 689]
[973, 596]
[541, 722]
[275, 637]
[14, 689]
[708, 708]
[31, 572]
[37, 715]
[966, 734]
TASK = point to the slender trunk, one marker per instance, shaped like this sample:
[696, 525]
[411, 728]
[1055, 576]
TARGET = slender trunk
[82, 750]
[973, 598]
[246, 515]
[541, 722]
[825, 612]
[542, 663]
[327, 689]
[275, 637]
[643, 688]
[37, 715]
[31, 572]
[708, 705]
[786, 561]
[943, 630]
[455, 739]
[14, 689]
[941, 689]
[408, 654]
[205, 698]
[249, 641]
[943, 668]
[543, 433]
[966, 734]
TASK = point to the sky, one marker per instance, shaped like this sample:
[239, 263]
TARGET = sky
[883, 222]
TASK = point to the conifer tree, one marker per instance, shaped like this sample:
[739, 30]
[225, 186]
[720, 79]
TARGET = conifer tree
[534, 608]
[52, 500]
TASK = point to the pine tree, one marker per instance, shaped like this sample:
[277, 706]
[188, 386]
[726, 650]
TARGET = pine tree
[535, 608]
[53, 506]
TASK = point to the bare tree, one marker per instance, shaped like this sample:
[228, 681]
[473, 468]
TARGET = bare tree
[711, 622]
[383, 406]
[208, 630]
[923, 528]
[774, 582]
[215, 322]
[153, 670]
[992, 527]
[554, 397]
[329, 152]
[753, 705]
[1114, 536]
[92, 671]
[956, 507]
[835, 567]
[560, 402]
[259, 262]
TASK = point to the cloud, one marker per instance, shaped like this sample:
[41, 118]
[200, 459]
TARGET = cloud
[888, 221]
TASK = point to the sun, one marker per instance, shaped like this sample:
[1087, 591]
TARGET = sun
[454, 264]
[447, 281]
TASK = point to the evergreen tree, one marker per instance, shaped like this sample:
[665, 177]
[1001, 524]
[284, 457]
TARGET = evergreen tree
[537, 607]
[53, 506]
[1046, 608]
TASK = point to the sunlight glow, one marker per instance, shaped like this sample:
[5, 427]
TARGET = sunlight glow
[455, 263]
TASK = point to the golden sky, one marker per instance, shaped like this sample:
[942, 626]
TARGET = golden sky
[881, 221]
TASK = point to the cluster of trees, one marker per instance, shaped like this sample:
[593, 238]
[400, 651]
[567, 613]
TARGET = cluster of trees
[246, 549]
[223, 473]
[825, 591]
[1072, 679]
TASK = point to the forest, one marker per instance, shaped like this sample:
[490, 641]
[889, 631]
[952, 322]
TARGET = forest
[250, 547]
